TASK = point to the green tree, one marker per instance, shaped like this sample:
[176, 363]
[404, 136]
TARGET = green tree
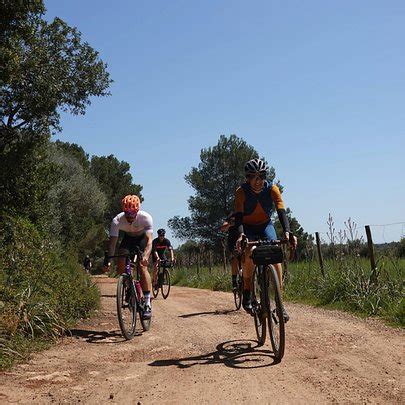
[115, 181]
[76, 151]
[214, 181]
[76, 201]
[45, 67]
[49, 68]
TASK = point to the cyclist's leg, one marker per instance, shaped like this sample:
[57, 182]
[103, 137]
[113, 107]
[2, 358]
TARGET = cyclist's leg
[270, 234]
[146, 283]
[125, 248]
[233, 235]
[155, 270]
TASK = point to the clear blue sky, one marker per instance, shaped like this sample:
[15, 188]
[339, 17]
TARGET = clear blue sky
[317, 87]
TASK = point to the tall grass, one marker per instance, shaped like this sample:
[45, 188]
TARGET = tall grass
[42, 291]
[348, 284]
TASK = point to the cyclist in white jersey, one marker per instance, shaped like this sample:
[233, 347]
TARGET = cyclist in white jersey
[138, 228]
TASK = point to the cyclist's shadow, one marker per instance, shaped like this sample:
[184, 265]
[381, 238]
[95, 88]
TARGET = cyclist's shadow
[242, 354]
[98, 337]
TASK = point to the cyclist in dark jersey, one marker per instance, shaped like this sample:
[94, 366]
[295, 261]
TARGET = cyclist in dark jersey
[160, 246]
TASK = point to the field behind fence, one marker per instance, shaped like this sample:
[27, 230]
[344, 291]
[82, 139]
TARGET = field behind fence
[347, 271]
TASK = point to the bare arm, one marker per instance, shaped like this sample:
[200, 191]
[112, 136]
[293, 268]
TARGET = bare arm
[111, 245]
[148, 247]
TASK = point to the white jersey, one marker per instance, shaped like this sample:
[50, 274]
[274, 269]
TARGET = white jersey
[143, 223]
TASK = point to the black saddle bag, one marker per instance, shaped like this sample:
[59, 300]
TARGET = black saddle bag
[267, 254]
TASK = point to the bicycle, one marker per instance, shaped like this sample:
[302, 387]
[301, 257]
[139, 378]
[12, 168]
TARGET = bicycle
[267, 306]
[163, 279]
[130, 299]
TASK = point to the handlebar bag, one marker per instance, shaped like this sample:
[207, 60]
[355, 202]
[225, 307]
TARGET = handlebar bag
[267, 254]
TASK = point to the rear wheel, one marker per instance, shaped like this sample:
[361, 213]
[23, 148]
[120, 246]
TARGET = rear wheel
[165, 283]
[238, 292]
[155, 288]
[126, 306]
[258, 296]
[275, 314]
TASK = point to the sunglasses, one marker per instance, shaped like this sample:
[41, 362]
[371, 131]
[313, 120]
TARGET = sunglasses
[261, 176]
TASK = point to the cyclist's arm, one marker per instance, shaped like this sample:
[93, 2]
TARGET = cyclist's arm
[111, 245]
[170, 247]
[148, 248]
[282, 215]
[154, 251]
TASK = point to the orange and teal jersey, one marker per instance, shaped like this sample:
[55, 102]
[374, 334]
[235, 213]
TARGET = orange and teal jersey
[257, 208]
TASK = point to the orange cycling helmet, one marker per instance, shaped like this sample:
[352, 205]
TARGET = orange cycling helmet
[131, 204]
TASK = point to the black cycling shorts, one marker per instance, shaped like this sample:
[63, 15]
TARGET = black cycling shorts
[130, 243]
[161, 257]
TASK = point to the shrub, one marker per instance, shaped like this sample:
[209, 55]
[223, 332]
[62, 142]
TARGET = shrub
[43, 292]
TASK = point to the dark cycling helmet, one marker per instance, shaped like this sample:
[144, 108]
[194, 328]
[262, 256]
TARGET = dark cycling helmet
[161, 232]
[255, 166]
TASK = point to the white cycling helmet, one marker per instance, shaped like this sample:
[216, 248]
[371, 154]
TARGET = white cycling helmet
[255, 166]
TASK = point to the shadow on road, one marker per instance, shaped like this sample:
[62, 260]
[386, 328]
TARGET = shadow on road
[244, 354]
[218, 312]
[98, 337]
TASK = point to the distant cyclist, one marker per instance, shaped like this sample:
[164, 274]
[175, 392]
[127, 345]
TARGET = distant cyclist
[87, 264]
[160, 247]
[137, 226]
[255, 202]
[233, 234]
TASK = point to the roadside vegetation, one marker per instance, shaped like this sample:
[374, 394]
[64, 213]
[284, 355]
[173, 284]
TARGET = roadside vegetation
[349, 284]
[54, 198]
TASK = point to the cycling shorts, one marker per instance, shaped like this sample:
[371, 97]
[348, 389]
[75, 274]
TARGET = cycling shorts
[263, 231]
[130, 243]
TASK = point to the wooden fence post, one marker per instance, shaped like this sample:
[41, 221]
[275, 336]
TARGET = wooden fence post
[370, 248]
[318, 244]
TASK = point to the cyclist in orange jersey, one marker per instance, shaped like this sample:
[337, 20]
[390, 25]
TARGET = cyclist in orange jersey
[255, 202]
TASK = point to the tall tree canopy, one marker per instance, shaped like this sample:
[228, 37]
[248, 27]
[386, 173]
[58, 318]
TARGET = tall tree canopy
[46, 67]
[115, 181]
[215, 180]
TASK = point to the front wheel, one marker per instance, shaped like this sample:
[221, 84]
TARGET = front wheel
[275, 314]
[258, 305]
[165, 283]
[126, 306]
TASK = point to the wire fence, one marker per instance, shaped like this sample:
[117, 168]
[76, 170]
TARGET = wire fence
[360, 240]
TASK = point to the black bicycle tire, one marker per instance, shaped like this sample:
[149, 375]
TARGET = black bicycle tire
[127, 333]
[155, 292]
[166, 272]
[258, 313]
[274, 285]
[237, 293]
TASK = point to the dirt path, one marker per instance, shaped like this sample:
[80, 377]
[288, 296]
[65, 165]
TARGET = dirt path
[200, 350]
